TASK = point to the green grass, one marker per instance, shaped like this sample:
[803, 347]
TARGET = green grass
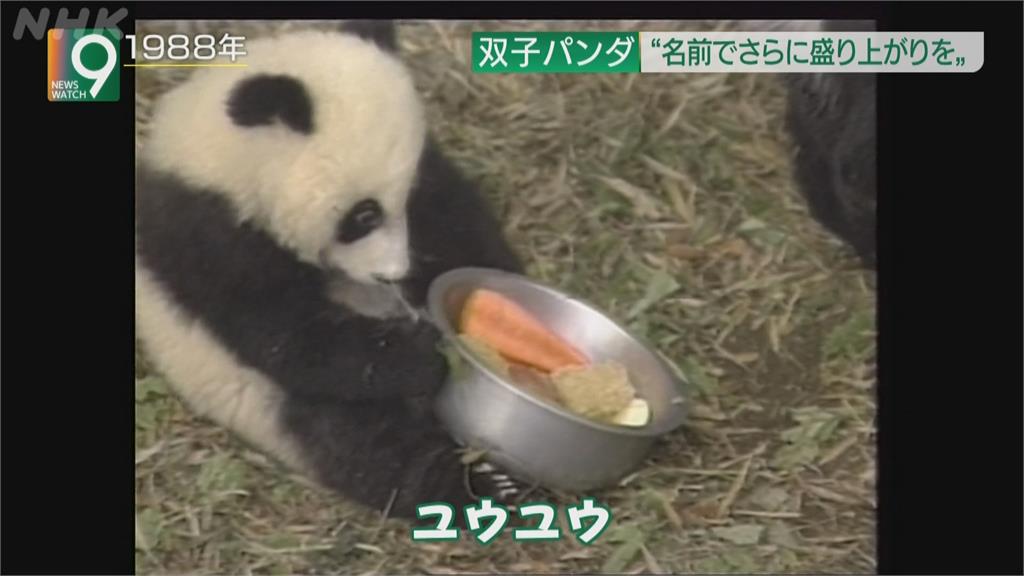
[668, 201]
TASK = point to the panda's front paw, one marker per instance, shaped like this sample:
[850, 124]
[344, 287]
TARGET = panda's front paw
[424, 341]
[409, 359]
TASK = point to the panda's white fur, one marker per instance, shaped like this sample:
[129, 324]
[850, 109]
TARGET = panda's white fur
[238, 297]
[207, 376]
[293, 184]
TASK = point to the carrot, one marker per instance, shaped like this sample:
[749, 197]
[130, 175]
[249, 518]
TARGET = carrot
[515, 333]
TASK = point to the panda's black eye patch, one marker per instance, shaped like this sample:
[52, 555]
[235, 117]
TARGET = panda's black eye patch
[265, 99]
[363, 218]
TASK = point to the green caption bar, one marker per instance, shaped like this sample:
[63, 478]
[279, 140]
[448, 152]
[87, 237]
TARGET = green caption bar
[556, 52]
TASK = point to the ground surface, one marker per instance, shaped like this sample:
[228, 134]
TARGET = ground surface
[669, 202]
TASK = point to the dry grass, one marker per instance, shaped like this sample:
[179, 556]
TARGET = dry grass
[668, 201]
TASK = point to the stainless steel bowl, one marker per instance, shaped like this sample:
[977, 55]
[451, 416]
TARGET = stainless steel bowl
[531, 438]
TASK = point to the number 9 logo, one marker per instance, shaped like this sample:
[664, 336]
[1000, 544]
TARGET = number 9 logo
[99, 76]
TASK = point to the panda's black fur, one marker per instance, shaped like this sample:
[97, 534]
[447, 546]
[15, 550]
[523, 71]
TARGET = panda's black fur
[356, 389]
[832, 118]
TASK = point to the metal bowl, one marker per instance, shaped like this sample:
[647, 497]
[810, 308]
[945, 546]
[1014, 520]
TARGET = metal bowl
[534, 439]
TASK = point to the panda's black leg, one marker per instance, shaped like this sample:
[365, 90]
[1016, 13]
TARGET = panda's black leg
[389, 457]
[814, 174]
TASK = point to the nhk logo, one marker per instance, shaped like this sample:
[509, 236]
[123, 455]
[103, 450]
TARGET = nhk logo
[83, 65]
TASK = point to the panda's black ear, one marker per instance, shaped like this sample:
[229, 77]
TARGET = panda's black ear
[380, 32]
[265, 99]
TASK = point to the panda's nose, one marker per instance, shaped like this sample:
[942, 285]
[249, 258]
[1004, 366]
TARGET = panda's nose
[382, 279]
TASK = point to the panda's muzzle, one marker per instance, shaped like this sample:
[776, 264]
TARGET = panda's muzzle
[339, 273]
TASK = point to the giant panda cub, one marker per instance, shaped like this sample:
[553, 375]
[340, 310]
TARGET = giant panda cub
[289, 214]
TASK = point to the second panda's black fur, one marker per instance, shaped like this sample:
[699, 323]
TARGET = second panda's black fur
[357, 389]
[832, 119]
